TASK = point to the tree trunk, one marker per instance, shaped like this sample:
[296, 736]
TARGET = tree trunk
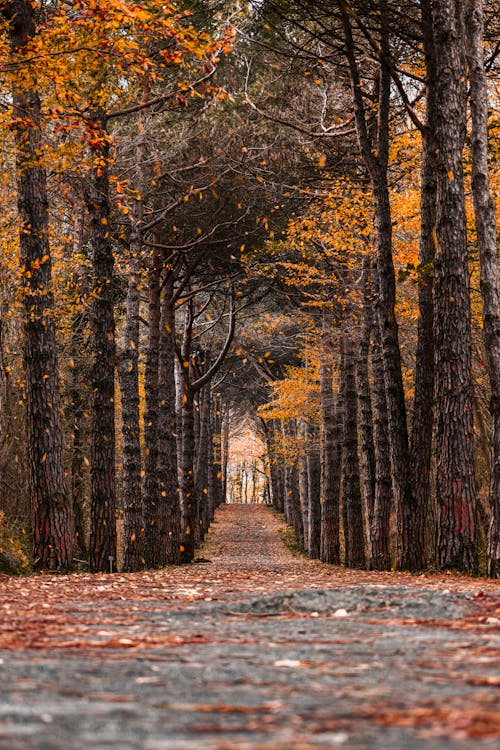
[154, 551]
[76, 407]
[203, 458]
[133, 557]
[331, 451]
[211, 470]
[187, 486]
[414, 548]
[485, 213]
[375, 152]
[225, 425]
[455, 488]
[379, 537]
[51, 513]
[365, 401]
[217, 449]
[170, 513]
[303, 482]
[77, 399]
[351, 489]
[271, 432]
[313, 492]
[102, 452]
[293, 515]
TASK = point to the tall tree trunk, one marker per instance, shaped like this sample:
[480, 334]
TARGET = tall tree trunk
[271, 430]
[303, 482]
[75, 414]
[294, 501]
[331, 450]
[351, 488]
[203, 458]
[102, 451]
[154, 552]
[217, 448]
[77, 396]
[375, 152]
[293, 515]
[379, 537]
[133, 557]
[455, 488]
[313, 492]
[394, 392]
[485, 213]
[211, 470]
[187, 485]
[225, 426]
[365, 400]
[170, 513]
[414, 548]
[51, 513]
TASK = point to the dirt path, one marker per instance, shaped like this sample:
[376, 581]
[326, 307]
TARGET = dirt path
[254, 649]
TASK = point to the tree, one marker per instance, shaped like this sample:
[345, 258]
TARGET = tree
[455, 484]
[485, 213]
[51, 515]
[351, 489]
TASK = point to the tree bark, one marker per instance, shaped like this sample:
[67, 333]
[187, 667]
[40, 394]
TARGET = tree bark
[414, 548]
[217, 448]
[271, 431]
[154, 551]
[169, 499]
[303, 481]
[51, 512]
[375, 152]
[102, 452]
[211, 471]
[352, 509]
[133, 556]
[225, 426]
[187, 485]
[455, 488]
[314, 492]
[203, 458]
[331, 451]
[365, 400]
[485, 213]
[293, 515]
[379, 548]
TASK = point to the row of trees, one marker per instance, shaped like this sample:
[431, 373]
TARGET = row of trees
[219, 208]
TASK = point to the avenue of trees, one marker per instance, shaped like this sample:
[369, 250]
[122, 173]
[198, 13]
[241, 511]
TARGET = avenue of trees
[229, 213]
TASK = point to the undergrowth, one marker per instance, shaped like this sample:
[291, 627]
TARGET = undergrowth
[13, 558]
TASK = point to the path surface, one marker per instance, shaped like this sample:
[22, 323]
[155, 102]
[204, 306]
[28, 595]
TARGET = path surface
[255, 649]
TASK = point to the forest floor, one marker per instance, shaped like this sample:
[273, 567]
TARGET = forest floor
[256, 648]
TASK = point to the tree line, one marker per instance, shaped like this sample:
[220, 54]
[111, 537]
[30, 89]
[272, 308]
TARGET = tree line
[273, 209]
